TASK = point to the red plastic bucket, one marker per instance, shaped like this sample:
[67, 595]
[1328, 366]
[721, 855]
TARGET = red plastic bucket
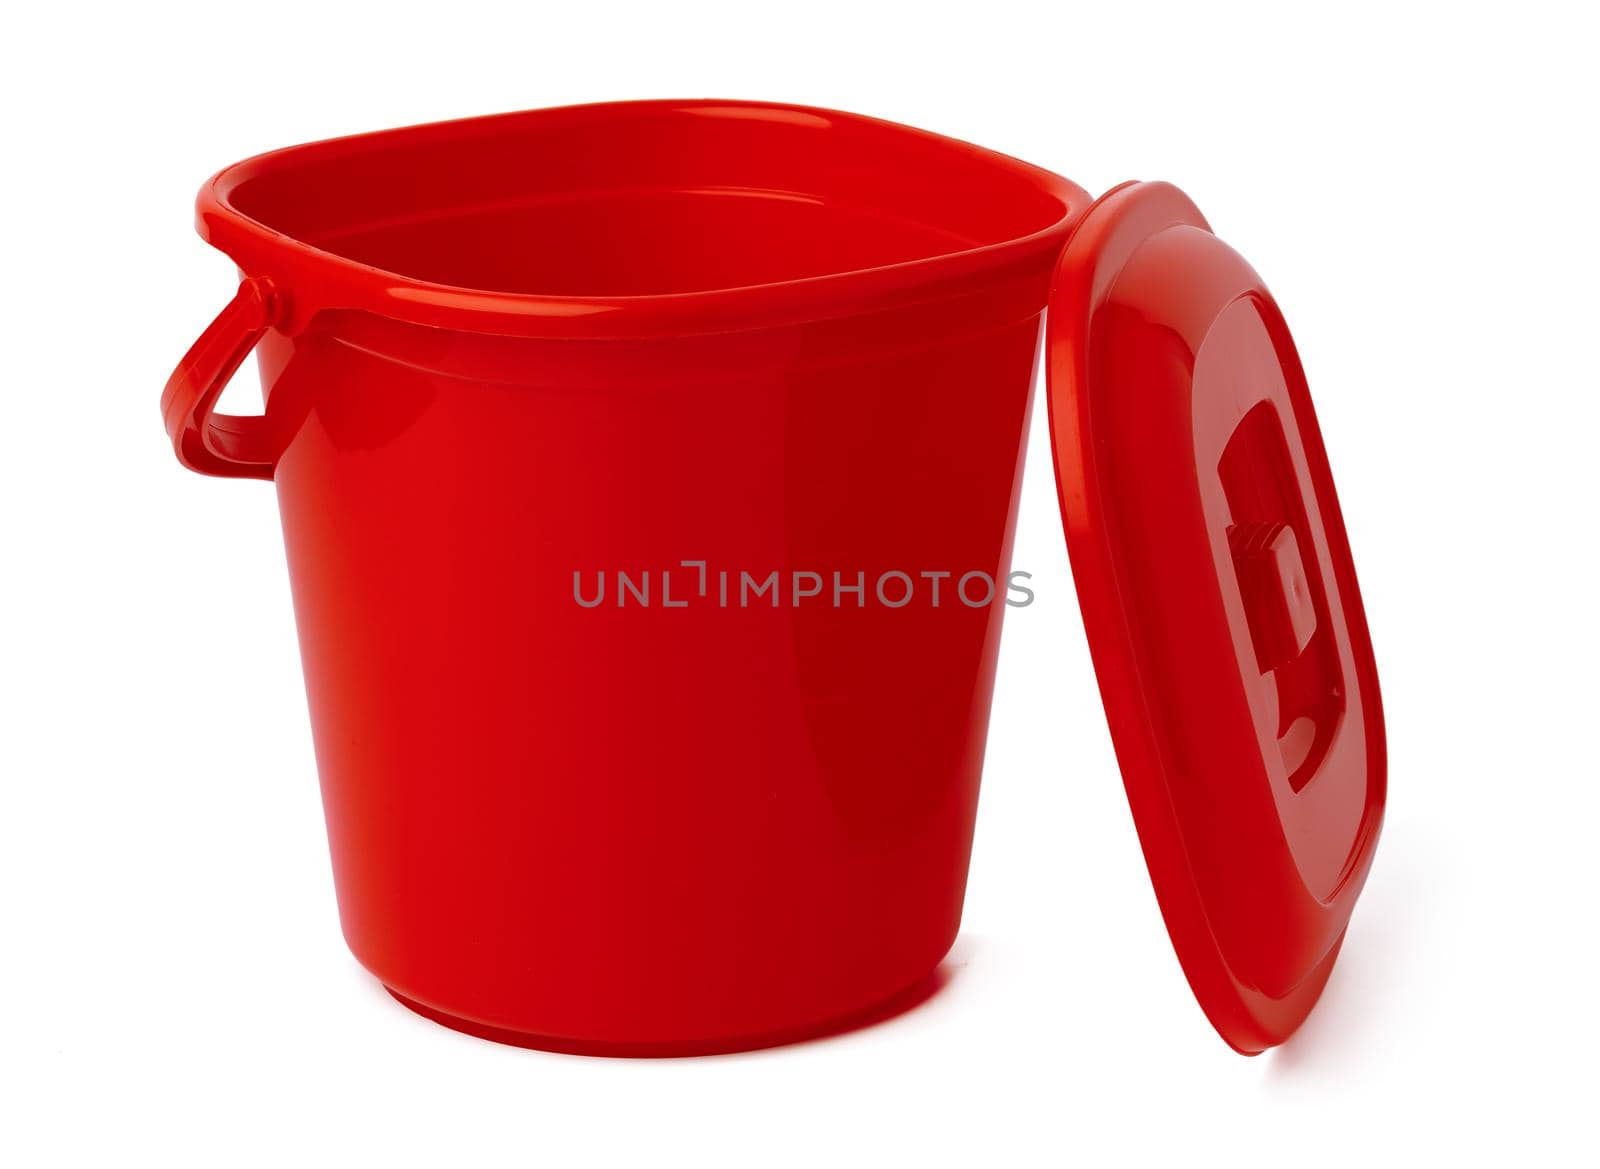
[678, 351]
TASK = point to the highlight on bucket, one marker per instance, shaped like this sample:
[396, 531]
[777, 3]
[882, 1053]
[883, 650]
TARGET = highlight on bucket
[508, 357]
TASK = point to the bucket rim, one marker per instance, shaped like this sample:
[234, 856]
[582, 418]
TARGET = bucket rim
[315, 279]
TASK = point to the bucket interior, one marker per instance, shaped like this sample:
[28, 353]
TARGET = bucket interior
[643, 200]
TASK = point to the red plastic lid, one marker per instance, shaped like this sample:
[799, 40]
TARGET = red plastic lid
[1220, 601]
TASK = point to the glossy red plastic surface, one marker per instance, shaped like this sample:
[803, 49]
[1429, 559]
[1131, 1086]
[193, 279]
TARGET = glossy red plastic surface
[1220, 601]
[609, 339]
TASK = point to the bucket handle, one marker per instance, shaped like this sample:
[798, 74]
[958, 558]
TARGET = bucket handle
[238, 446]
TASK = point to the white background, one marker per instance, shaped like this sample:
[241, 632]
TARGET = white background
[1418, 191]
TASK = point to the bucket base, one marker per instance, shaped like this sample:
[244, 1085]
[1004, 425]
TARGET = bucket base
[889, 1008]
